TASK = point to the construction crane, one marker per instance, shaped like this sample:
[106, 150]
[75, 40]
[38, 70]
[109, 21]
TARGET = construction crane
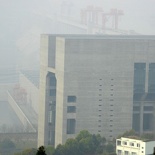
[97, 17]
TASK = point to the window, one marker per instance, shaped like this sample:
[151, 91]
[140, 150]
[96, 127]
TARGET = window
[71, 126]
[139, 77]
[119, 152]
[136, 108]
[138, 145]
[124, 143]
[52, 92]
[148, 108]
[52, 81]
[133, 153]
[151, 81]
[71, 109]
[118, 142]
[131, 144]
[71, 99]
[126, 152]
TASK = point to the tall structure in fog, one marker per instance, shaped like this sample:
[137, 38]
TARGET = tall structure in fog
[104, 84]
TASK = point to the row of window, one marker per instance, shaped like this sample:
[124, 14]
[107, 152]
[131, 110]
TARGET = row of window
[119, 152]
[140, 76]
[130, 144]
[71, 123]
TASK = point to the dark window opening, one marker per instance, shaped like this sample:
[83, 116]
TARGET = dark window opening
[52, 92]
[52, 81]
[71, 109]
[71, 126]
[71, 99]
[139, 77]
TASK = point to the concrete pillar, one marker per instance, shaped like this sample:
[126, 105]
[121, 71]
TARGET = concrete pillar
[141, 117]
[146, 77]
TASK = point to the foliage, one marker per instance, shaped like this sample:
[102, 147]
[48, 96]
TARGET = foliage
[84, 144]
[129, 133]
[148, 136]
[41, 151]
[31, 151]
[60, 150]
[110, 148]
[49, 150]
[72, 147]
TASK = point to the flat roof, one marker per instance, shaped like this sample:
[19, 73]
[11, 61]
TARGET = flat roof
[91, 36]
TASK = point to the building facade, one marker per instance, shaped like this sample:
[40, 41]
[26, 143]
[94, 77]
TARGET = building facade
[104, 84]
[130, 146]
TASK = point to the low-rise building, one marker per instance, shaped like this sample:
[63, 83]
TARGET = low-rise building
[131, 146]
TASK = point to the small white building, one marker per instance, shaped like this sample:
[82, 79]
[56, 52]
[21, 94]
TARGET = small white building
[131, 146]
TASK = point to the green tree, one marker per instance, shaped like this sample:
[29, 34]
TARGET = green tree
[128, 133]
[49, 150]
[90, 143]
[60, 150]
[41, 151]
[110, 148]
[72, 147]
[83, 134]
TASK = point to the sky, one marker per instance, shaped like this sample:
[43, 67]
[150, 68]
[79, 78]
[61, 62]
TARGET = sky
[22, 22]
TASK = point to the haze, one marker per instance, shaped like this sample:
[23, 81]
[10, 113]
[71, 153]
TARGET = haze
[22, 22]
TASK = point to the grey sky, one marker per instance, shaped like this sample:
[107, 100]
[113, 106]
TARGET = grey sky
[22, 21]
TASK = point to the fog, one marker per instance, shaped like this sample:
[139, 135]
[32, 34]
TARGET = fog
[22, 22]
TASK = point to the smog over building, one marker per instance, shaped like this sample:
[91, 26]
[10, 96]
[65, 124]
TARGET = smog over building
[67, 66]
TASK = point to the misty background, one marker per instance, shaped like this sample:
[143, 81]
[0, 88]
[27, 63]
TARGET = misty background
[22, 22]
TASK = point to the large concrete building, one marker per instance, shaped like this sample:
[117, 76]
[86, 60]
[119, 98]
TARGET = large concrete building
[104, 84]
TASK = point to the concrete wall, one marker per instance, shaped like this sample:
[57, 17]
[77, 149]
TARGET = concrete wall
[3, 90]
[99, 71]
[32, 92]
[24, 120]
[43, 107]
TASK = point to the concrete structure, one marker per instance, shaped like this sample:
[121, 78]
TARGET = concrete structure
[94, 82]
[29, 80]
[130, 146]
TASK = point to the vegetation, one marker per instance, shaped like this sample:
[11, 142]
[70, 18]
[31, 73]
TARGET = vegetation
[41, 151]
[133, 134]
[84, 144]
